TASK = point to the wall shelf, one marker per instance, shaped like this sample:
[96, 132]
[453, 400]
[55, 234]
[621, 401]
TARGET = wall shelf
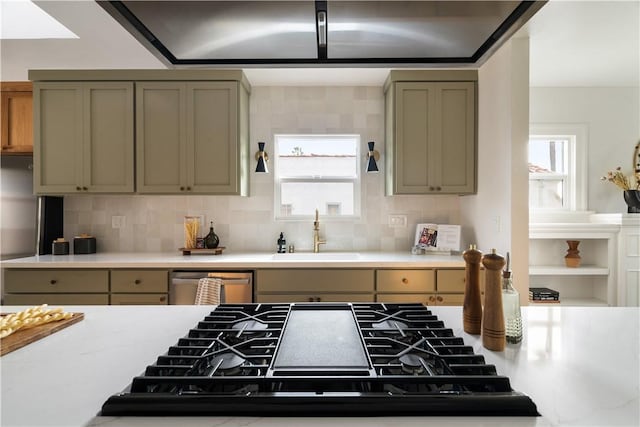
[556, 270]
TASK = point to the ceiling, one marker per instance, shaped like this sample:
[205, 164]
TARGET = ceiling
[598, 45]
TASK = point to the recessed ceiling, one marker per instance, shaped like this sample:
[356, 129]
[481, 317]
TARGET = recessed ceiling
[330, 32]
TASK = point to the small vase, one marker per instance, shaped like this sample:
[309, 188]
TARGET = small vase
[572, 259]
[632, 199]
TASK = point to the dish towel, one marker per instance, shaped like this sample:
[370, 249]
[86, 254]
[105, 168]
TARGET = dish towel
[208, 292]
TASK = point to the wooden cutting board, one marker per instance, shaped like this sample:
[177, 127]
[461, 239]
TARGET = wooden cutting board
[20, 338]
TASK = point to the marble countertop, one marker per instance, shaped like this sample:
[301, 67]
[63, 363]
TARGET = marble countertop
[579, 365]
[239, 261]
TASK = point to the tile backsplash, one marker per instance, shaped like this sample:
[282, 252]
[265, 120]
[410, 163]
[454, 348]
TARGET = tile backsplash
[154, 223]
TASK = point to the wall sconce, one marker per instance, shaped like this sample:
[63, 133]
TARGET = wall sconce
[372, 157]
[262, 157]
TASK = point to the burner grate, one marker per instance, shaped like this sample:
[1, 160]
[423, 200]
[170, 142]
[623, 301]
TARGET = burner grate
[234, 361]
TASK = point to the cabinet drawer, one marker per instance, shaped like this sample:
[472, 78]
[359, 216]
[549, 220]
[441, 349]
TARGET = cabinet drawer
[56, 281]
[454, 280]
[274, 298]
[410, 281]
[449, 299]
[317, 280]
[139, 281]
[139, 299]
[56, 299]
[402, 298]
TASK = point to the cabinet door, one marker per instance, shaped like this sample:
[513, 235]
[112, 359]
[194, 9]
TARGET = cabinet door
[139, 299]
[213, 154]
[161, 134]
[432, 141]
[56, 299]
[286, 298]
[410, 281]
[56, 281]
[314, 281]
[17, 118]
[108, 137]
[139, 281]
[57, 135]
[426, 299]
[453, 165]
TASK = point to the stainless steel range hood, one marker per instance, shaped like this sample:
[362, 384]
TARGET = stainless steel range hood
[325, 33]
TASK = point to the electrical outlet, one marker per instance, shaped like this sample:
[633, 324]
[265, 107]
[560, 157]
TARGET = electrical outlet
[117, 221]
[397, 220]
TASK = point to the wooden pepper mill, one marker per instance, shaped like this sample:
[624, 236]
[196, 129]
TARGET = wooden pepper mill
[472, 306]
[493, 330]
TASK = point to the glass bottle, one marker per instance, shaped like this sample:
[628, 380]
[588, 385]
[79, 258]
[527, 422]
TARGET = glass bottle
[211, 240]
[511, 307]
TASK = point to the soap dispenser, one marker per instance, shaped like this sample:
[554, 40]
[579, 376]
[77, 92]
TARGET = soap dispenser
[282, 243]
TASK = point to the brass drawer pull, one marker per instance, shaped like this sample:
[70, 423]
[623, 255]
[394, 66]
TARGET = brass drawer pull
[53, 281]
[405, 280]
[137, 282]
[439, 298]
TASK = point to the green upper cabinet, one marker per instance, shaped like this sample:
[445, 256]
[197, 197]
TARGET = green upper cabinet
[83, 137]
[192, 137]
[430, 121]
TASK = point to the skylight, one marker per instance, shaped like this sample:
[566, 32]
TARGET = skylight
[22, 19]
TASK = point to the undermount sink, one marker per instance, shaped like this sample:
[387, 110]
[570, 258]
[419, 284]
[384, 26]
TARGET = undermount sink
[311, 256]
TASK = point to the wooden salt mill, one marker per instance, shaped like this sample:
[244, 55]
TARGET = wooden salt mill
[472, 306]
[493, 330]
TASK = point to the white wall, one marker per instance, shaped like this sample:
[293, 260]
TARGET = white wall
[612, 118]
[499, 212]
[154, 223]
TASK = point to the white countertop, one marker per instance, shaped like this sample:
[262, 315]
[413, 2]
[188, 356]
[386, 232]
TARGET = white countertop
[239, 261]
[579, 365]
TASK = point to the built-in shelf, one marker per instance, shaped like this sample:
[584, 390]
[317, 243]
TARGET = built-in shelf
[557, 270]
[572, 302]
[594, 282]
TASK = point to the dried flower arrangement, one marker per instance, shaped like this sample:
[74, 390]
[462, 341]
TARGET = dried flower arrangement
[626, 182]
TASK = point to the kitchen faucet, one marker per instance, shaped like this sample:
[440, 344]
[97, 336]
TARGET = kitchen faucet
[316, 235]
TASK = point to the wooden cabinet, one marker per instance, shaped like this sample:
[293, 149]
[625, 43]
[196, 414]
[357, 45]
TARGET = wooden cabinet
[83, 137]
[16, 114]
[300, 285]
[430, 132]
[86, 287]
[192, 137]
[430, 287]
[135, 287]
[56, 286]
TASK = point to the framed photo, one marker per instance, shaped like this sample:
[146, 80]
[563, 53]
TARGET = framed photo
[427, 236]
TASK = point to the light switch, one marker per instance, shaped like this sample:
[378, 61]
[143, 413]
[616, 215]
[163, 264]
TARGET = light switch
[397, 220]
[117, 221]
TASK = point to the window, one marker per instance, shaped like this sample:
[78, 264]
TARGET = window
[557, 163]
[317, 172]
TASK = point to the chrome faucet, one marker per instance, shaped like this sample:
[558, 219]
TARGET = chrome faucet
[316, 235]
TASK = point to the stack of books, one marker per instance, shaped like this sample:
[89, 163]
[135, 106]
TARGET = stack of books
[543, 295]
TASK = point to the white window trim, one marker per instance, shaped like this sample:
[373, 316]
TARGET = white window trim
[277, 179]
[578, 146]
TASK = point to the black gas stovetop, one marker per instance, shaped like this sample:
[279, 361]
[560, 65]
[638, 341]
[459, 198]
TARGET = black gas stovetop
[321, 359]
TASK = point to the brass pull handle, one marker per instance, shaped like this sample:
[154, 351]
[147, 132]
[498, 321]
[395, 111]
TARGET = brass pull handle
[78, 189]
[439, 188]
[310, 299]
[439, 298]
[53, 281]
[430, 188]
[163, 299]
[137, 282]
[188, 188]
[181, 188]
[85, 188]
[405, 280]
[318, 299]
[432, 299]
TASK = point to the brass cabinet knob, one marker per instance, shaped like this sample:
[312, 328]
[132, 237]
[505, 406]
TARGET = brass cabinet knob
[137, 282]
[438, 188]
[439, 298]
[405, 280]
[431, 188]
[78, 189]
[310, 299]
[181, 188]
[188, 188]
[53, 281]
[163, 299]
[432, 299]
[85, 189]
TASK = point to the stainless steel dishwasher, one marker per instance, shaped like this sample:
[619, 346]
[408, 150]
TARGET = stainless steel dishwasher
[237, 286]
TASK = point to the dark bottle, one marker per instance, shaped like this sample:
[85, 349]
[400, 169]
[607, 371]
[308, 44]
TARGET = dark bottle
[211, 240]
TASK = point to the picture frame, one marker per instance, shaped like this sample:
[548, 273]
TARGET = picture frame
[426, 236]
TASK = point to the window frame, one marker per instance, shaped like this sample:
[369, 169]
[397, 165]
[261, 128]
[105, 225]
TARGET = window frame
[575, 190]
[279, 180]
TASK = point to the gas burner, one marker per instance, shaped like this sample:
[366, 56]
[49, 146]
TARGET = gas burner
[282, 359]
[251, 325]
[413, 364]
[226, 361]
[391, 325]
